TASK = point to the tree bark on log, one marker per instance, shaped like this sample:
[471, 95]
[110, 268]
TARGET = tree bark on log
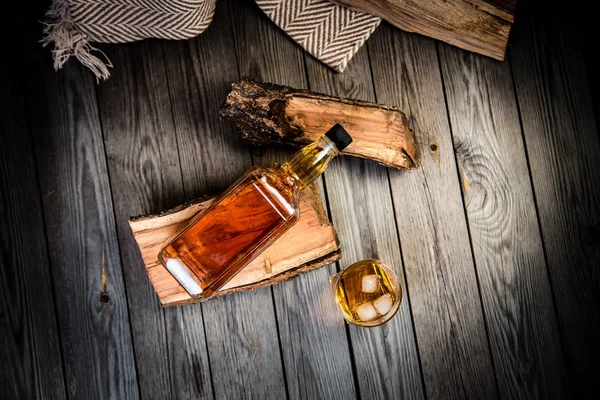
[268, 113]
[308, 245]
[481, 26]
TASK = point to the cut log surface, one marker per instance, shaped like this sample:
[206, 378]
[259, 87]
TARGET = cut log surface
[481, 26]
[310, 244]
[268, 113]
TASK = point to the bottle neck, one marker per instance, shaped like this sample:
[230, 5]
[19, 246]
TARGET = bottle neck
[310, 162]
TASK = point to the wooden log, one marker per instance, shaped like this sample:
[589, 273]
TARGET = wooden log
[269, 113]
[481, 26]
[310, 244]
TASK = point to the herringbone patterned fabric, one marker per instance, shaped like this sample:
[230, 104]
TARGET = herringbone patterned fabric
[118, 21]
[330, 32]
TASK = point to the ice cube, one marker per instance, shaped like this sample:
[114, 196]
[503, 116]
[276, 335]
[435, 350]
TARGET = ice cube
[366, 311]
[370, 283]
[383, 304]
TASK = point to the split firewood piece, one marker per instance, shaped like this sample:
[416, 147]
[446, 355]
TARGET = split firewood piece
[481, 26]
[308, 245]
[268, 113]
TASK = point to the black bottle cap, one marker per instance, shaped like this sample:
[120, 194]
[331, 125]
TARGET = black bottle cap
[338, 135]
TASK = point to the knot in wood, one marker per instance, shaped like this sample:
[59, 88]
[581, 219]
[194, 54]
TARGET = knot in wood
[104, 298]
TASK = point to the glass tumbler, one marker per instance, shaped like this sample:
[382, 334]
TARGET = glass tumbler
[367, 293]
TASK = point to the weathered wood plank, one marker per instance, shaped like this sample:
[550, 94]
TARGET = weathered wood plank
[313, 337]
[145, 176]
[503, 225]
[240, 329]
[29, 340]
[308, 245]
[431, 224]
[562, 143]
[188, 354]
[386, 359]
[481, 26]
[80, 227]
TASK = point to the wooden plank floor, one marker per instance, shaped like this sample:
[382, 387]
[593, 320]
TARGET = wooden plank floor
[495, 238]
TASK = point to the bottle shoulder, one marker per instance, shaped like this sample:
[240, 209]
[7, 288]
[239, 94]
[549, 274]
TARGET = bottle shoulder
[259, 171]
[276, 176]
[276, 180]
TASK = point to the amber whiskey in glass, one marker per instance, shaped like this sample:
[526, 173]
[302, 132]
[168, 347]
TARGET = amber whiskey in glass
[246, 219]
[367, 292]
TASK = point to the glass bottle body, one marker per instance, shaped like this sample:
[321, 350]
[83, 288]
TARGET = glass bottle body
[246, 219]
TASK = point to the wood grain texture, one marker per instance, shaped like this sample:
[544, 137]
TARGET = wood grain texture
[475, 25]
[241, 332]
[80, 227]
[440, 274]
[308, 245]
[313, 337]
[29, 339]
[145, 176]
[563, 146]
[241, 346]
[386, 359]
[267, 113]
[504, 229]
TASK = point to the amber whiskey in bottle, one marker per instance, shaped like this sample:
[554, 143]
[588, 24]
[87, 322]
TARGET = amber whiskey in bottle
[248, 217]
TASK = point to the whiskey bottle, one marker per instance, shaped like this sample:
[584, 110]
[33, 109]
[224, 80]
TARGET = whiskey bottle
[246, 219]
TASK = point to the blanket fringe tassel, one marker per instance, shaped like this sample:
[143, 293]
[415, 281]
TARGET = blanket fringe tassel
[70, 41]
